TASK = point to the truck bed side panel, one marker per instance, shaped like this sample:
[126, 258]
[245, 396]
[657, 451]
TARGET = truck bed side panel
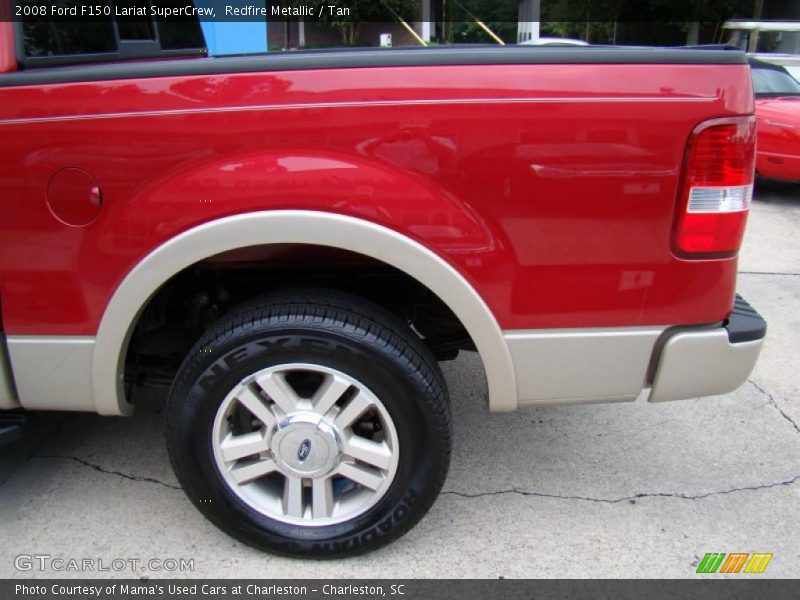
[551, 188]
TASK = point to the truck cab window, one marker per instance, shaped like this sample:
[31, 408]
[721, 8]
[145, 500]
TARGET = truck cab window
[135, 28]
[43, 41]
[42, 38]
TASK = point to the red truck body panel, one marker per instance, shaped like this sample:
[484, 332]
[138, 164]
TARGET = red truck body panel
[551, 188]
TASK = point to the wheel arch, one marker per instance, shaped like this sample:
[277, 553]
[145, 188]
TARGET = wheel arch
[297, 227]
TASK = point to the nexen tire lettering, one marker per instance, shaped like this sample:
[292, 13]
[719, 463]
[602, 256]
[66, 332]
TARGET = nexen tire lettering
[226, 363]
[399, 514]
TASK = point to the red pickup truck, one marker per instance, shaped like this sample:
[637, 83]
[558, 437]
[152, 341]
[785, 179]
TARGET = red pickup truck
[293, 241]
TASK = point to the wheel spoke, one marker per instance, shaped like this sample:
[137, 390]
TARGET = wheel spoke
[321, 497]
[256, 405]
[248, 473]
[329, 392]
[293, 497]
[305, 444]
[376, 454]
[354, 409]
[279, 390]
[236, 447]
[361, 475]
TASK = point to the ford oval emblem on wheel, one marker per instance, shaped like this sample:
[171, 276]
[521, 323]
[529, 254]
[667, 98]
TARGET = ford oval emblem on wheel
[304, 450]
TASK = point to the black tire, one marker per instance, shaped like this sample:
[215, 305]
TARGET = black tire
[338, 331]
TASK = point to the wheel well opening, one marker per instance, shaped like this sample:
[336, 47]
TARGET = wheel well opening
[188, 303]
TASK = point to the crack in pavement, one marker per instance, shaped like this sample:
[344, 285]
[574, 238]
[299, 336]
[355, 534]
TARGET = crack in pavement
[50, 434]
[632, 499]
[106, 471]
[771, 400]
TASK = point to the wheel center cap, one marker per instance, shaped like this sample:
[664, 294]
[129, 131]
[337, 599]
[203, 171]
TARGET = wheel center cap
[304, 445]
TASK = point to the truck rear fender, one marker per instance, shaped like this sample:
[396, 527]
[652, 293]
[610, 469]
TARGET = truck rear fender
[354, 204]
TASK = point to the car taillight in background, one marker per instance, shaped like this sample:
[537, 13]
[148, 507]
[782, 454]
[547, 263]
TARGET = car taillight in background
[717, 188]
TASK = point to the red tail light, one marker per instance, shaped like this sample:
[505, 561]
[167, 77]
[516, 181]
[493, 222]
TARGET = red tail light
[717, 188]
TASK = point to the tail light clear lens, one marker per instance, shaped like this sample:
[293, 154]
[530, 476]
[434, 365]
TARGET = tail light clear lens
[717, 188]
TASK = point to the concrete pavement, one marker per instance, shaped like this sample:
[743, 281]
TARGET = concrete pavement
[633, 490]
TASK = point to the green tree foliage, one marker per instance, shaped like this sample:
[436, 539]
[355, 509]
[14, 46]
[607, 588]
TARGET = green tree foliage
[639, 21]
[654, 22]
[657, 22]
[499, 15]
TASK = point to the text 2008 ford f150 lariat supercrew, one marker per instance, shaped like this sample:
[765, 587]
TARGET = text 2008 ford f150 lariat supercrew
[293, 241]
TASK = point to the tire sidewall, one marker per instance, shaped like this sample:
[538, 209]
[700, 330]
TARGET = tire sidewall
[386, 373]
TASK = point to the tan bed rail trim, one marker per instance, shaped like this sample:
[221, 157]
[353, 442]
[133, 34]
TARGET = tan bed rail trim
[581, 366]
[53, 372]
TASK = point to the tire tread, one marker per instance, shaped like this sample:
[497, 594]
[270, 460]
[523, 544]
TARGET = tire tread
[331, 311]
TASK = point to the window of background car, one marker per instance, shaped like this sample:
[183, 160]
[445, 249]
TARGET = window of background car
[774, 81]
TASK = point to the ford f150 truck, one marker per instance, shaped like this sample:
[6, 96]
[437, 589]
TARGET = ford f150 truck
[292, 242]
